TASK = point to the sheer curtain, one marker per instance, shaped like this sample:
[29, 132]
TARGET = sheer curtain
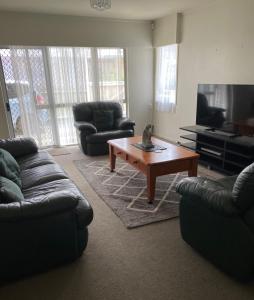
[50, 80]
[111, 74]
[24, 93]
[71, 82]
[166, 78]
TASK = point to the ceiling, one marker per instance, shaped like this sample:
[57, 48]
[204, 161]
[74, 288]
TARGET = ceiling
[121, 9]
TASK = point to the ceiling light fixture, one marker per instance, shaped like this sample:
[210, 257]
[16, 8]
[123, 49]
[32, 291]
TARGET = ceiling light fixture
[100, 4]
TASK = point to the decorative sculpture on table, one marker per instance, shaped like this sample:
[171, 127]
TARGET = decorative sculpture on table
[146, 144]
[146, 138]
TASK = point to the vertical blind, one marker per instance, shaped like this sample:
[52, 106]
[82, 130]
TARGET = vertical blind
[43, 84]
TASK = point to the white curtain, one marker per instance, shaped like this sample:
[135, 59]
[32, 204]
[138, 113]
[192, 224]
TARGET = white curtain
[111, 74]
[71, 83]
[50, 80]
[166, 78]
[23, 92]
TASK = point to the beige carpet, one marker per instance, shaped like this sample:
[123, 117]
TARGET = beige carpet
[150, 262]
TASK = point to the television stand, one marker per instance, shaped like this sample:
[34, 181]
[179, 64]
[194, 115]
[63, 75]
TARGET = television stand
[220, 132]
[227, 154]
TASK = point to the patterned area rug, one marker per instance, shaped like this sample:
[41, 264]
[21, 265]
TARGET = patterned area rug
[124, 191]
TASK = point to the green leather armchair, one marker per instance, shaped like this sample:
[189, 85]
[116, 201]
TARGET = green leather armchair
[217, 219]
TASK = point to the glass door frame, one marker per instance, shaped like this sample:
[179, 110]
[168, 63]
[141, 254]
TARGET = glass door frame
[5, 99]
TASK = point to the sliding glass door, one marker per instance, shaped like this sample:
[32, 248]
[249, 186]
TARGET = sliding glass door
[25, 80]
[44, 83]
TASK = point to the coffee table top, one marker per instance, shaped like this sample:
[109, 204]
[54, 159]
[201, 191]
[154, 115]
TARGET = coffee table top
[172, 153]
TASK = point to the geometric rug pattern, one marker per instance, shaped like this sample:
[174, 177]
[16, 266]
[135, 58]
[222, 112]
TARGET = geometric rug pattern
[124, 191]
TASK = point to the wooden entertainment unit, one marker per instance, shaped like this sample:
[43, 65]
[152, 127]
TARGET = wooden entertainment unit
[218, 150]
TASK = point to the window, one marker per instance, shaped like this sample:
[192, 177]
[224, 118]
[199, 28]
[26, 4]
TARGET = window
[166, 78]
[43, 83]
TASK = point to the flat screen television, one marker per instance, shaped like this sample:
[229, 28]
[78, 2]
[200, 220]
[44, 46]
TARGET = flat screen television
[226, 107]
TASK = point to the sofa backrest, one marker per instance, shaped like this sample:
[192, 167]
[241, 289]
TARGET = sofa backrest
[243, 190]
[83, 112]
[19, 146]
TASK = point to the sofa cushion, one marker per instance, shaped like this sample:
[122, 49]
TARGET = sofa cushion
[48, 187]
[228, 182]
[103, 137]
[42, 174]
[9, 191]
[9, 167]
[103, 119]
[35, 160]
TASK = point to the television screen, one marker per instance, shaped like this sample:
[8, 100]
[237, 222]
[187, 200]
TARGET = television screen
[226, 107]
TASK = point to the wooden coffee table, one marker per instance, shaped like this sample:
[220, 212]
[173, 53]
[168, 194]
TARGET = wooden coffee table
[172, 160]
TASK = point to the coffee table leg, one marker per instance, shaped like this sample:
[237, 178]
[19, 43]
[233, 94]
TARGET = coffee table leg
[112, 158]
[151, 183]
[193, 172]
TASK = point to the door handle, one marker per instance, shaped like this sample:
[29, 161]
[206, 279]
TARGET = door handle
[7, 105]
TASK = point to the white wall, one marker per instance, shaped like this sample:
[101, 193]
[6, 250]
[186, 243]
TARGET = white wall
[217, 47]
[53, 30]
[167, 30]
[58, 30]
[140, 78]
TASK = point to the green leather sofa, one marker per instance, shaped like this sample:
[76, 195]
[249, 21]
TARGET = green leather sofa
[49, 226]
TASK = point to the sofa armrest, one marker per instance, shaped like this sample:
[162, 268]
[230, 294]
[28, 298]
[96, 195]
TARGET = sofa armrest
[84, 213]
[124, 123]
[86, 127]
[19, 146]
[209, 193]
[42, 206]
[244, 188]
